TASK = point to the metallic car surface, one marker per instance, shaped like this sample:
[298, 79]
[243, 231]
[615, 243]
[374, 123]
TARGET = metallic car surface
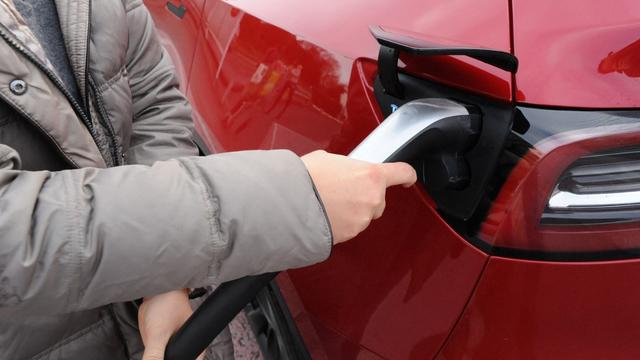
[300, 75]
[577, 54]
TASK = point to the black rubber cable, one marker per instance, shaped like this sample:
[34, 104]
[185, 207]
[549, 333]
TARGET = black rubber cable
[213, 315]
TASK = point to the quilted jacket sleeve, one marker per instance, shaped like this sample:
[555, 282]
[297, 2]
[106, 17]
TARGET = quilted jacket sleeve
[78, 239]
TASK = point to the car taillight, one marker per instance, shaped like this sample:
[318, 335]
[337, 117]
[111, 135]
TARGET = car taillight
[601, 188]
[575, 193]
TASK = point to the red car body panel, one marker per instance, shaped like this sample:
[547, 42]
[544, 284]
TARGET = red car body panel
[178, 35]
[399, 292]
[540, 310]
[342, 28]
[274, 90]
[299, 75]
[578, 54]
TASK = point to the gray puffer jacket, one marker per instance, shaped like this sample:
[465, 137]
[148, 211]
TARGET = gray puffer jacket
[81, 236]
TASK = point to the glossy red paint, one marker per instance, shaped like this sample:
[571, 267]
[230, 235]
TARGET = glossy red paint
[298, 75]
[541, 310]
[342, 27]
[256, 85]
[320, 340]
[178, 35]
[578, 54]
[397, 289]
[259, 87]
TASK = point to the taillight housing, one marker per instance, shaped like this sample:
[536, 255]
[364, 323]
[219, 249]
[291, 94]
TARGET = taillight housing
[575, 193]
[601, 188]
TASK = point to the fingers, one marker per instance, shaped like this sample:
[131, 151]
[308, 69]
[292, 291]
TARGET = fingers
[399, 173]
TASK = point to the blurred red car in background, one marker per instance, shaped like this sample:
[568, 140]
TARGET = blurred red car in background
[536, 256]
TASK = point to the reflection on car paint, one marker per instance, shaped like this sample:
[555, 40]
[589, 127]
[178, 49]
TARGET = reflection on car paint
[625, 61]
[263, 87]
[299, 75]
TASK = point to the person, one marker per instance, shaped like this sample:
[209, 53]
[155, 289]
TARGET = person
[103, 200]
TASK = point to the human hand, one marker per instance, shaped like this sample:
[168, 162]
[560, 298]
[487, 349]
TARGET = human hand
[159, 317]
[353, 191]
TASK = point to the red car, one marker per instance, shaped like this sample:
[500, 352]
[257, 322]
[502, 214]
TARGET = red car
[522, 239]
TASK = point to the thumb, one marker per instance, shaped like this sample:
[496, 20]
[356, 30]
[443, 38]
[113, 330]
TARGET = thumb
[399, 173]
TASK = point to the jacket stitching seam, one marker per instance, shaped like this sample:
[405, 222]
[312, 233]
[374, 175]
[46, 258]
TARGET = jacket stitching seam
[75, 231]
[212, 212]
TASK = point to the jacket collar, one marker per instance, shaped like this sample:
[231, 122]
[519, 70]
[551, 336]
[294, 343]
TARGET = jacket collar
[45, 105]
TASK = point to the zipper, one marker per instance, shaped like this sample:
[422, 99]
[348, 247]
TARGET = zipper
[103, 117]
[90, 85]
[86, 62]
